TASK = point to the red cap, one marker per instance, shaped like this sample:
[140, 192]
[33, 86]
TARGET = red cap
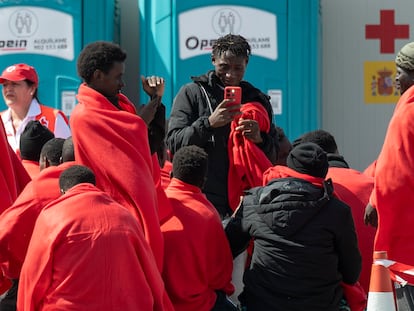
[19, 72]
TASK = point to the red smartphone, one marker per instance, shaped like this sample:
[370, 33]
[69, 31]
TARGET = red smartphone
[234, 93]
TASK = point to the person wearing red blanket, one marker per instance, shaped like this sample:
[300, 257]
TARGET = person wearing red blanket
[13, 178]
[392, 198]
[370, 169]
[197, 272]
[166, 174]
[17, 221]
[105, 122]
[304, 238]
[247, 162]
[95, 256]
[354, 188]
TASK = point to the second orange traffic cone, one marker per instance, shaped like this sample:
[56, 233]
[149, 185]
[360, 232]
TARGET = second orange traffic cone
[381, 293]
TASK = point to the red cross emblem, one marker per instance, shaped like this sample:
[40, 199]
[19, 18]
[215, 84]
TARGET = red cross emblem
[387, 31]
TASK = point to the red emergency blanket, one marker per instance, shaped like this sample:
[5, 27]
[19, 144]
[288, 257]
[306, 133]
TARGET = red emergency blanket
[88, 253]
[114, 144]
[247, 161]
[393, 192]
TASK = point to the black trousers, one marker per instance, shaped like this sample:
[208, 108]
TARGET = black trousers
[223, 303]
[8, 303]
[405, 297]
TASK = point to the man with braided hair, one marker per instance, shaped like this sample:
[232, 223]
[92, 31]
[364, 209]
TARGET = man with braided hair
[201, 116]
[393, 191]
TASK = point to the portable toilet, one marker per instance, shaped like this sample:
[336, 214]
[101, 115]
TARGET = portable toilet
[177, 38]
[49, 35]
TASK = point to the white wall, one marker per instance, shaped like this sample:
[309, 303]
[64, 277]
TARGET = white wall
[359, 128]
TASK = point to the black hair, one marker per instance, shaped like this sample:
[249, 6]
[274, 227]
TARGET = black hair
[236, 44]
[68, 151]
[190, 165]
[52, 151]
[74, 175]
[33, 138]
[35, 94]
[322, 138]
[99, 55]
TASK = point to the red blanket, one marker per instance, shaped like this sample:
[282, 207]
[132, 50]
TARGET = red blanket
[354, 188]
[32, 168]
[199, 259]
[370, 170]
[164, 207]
[394, 185]
[166, 174]
[17, 222]
[247, 161]
[114, 144]
[280, 171]
[13, 176]
[88, 253]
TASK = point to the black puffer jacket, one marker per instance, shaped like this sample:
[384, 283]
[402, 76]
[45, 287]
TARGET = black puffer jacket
[304, 245]
[188, 125]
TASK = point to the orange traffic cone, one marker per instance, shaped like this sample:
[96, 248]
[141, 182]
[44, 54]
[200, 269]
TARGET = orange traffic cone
[381, 294]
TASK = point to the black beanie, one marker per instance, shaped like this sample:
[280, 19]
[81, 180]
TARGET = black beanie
[308, 158]
[34, 136]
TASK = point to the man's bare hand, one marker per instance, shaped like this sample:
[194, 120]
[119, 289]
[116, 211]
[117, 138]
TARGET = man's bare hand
[250, 129]
[371, 216]
[224, 114]
[147, 112]
[153, 86]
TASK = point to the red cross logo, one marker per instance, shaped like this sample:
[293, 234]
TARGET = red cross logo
[387, 31]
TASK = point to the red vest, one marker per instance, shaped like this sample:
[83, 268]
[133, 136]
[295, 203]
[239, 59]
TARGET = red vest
[47, 117]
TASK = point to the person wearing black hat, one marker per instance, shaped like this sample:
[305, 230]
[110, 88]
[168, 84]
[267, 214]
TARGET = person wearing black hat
[304, 238]
[34, 136]
[354, 188]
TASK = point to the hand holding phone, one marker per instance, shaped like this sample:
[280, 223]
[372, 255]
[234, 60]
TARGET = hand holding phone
[233, 93]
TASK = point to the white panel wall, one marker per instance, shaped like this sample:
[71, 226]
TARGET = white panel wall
[359, 128]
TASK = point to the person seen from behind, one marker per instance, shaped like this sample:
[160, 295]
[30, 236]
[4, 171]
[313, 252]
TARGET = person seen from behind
[305, 243]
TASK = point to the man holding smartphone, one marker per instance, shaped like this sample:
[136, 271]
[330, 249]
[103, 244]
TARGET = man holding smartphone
[201, 116]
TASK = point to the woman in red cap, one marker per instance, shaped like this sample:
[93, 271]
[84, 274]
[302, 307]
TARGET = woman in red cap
[20, 82]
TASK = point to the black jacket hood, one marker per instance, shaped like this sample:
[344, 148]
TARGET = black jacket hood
[287, 204]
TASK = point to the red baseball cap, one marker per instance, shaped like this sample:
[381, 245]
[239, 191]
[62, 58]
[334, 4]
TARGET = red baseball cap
[19, 72]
